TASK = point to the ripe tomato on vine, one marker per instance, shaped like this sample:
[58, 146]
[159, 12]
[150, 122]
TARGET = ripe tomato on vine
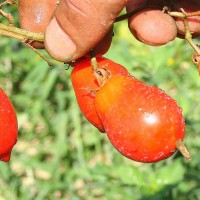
[142, 122]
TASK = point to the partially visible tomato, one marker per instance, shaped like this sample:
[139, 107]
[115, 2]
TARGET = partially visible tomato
[8, 127]
[142, 122]
[85, 85]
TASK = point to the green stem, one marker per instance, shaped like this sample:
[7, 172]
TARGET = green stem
[188, 37]
[20, 34]
[183, 15]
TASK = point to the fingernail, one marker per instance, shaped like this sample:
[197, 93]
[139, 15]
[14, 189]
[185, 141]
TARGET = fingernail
[58, 44]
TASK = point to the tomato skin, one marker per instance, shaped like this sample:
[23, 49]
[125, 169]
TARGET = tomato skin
[85, 85]
[8, 127]
[142, 122]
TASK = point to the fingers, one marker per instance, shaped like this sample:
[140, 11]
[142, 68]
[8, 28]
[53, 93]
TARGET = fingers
[103, 46]
[134, 4]
[154, 26]
[79, 25]
[34, 15]
[193, 22]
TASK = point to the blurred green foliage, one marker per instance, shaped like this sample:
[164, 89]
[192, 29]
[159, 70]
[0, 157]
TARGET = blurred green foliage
[59, 155]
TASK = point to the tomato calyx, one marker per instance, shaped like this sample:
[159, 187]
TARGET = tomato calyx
[101, 74]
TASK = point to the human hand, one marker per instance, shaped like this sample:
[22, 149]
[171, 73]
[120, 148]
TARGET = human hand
[79, 25]
[76, 26]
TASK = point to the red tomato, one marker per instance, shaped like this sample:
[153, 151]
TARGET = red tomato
[8, 127]
[85, 85]
[142, 122]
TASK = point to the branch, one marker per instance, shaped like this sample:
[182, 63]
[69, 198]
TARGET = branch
[129, 14]
[184, 14]
[20, 34]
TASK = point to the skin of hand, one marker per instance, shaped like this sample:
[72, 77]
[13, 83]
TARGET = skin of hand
[134, 4]
[35, 15]
[79, 25]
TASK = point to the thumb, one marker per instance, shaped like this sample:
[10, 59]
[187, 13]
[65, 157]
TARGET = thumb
[78, 26]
